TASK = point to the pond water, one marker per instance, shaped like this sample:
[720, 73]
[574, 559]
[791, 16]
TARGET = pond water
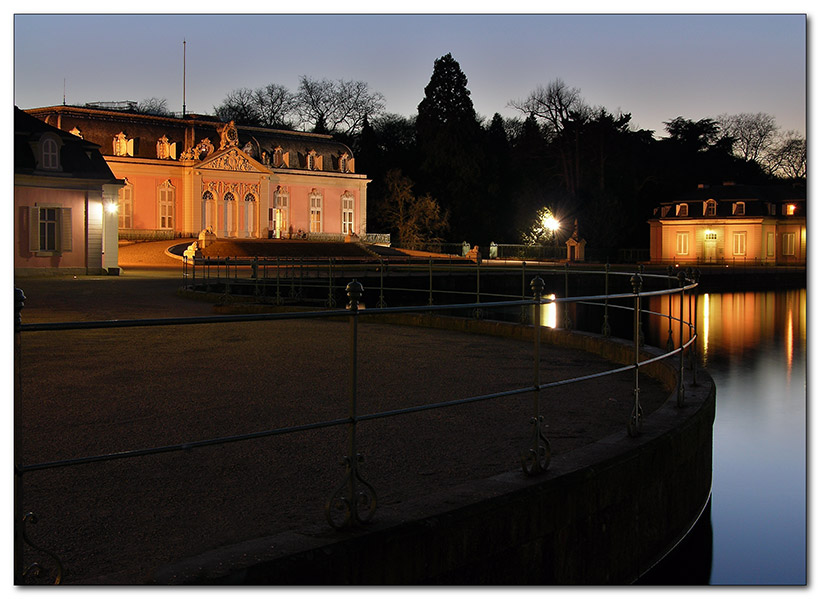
[754, 347]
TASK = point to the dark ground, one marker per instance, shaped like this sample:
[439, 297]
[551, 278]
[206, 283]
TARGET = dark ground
[104, 391]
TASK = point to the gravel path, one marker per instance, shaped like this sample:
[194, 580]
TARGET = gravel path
[104, 391]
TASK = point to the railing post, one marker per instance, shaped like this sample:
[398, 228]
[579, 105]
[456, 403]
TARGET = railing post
[605, 330]
[682, 284]
[430, 271]
[691, 278]
[567, 319]
[382, 303]
[696, 280]
[670, 343]
[354, 501]
[19, 301]
[21, 517]
[537, 458]
[255, 275]
[524, 318]
[478, 313]
[331, 302]
[635, 420]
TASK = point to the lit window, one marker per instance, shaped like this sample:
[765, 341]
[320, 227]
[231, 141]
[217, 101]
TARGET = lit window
[683, 210]
[788, 244]
[770, 244]
[280, 204]
[790, 209]
[347, 213]
[711, 208]
[710, 236]
[315, 212]
[682, 243]
[167, 194]
[739, 243]
[122, 145]
[125, 206]
[279, 158]
[50, 154]
[739, 208]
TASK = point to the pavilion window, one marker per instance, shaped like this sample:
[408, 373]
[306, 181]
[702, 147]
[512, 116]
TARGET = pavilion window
[166, 206]
[125, 207]
[682, 248]
[315, 213]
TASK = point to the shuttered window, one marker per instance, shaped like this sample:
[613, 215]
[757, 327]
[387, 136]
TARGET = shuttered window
[50, 229]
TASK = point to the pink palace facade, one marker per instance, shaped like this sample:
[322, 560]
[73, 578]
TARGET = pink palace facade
[183, 175]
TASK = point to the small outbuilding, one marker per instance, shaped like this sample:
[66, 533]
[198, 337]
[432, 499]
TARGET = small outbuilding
[65, 202]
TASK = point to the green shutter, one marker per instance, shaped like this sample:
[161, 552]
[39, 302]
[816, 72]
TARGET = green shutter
[65, 241]
[33, 229]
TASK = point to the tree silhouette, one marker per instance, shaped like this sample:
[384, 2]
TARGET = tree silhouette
[449, 138]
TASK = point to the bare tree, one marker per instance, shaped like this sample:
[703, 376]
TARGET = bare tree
[554, 104]
[275, 105]
[241, 106]
[336, 106]
[787, 158]
[754, 135]
[156, 106]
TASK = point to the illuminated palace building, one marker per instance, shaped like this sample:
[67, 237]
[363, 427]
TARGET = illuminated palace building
[182, 175]
[731, 224]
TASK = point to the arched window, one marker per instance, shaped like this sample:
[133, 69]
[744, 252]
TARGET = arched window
[229, 201]
[348, 202]
[165, 199]
[315, 212]
[711, 208]
[281, 208]
[50, 159]
[250, 212]
[208, 210]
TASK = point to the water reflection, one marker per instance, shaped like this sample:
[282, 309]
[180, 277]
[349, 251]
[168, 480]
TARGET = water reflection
[754, 346]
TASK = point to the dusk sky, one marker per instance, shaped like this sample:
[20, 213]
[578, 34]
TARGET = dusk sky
[656, 67]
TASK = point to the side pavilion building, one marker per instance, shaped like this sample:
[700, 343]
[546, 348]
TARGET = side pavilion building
[731, 224]
[184, 175]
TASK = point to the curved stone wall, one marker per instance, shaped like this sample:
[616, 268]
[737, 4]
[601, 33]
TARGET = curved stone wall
[602, 514]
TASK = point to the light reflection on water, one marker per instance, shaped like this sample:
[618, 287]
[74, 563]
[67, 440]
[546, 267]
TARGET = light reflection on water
[754, 347]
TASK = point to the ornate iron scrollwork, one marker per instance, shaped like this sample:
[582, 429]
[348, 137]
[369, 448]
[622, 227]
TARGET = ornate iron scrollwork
[354, 501]
[35, 569]
[537, 458]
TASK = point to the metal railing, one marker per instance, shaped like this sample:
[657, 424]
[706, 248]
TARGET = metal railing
[354, 501]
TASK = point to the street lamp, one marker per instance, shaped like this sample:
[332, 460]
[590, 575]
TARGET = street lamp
[551, 224]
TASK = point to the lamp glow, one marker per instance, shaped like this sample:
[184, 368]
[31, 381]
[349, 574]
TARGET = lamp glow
[111, 207]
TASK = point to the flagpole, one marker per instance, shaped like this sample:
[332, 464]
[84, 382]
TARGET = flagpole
[183, 77]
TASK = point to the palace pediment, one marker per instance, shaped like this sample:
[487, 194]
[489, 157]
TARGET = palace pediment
[232, 159]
